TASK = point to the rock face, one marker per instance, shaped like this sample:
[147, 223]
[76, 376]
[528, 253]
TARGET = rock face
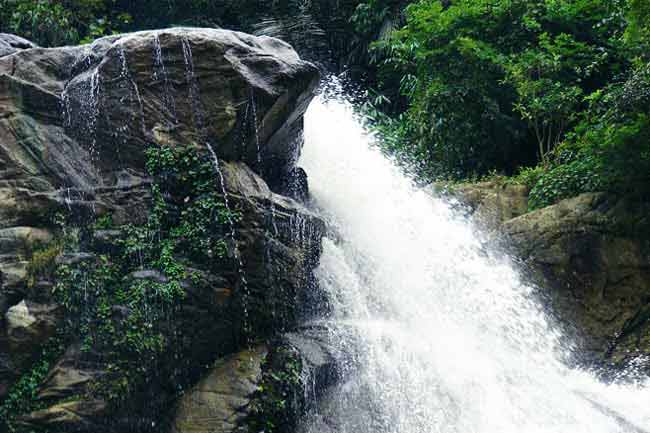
[75, 121]
[76, 126]
[218, 403]
[490, 203]
[9, 44]
[591, 256]
[594, 252]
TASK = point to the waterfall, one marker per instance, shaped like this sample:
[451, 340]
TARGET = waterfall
[440, 335]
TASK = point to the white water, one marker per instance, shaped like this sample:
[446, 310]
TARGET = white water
[443, 337]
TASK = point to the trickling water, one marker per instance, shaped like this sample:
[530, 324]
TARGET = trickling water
[192, 83]
[440, 336]
[65, 96]
[160, 73]
[256, 129]
[93, 109]
[200, 126]
[125, 74]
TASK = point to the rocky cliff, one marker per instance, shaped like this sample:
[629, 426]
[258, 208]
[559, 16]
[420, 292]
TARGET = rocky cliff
[590, 257]
[152, 242]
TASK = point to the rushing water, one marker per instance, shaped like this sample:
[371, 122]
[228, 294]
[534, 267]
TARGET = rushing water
[440, 335]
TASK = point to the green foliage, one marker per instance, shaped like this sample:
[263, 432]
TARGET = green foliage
[188, 218]
[103, 222]
[310, 25]
[119, 318]
[40, 21]
[609, 149]
[52, 23]
[529, 176]
[547, 80]
[467, 87]
[42, 262]
[639, 29]
[566, 180]
[494, 84]
[22, 397]
[274, 404]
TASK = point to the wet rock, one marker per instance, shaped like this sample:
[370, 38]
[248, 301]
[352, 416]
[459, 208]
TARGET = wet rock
[300, 369]
[152, 275]
[295, 185]
[72, 259]
[280, 243]
[72, 416]
[319, 358]
[592, 255]
[30, 324]
[489, 203]
[71, 375]
[9, 44]
[17, 243]
[64, 396]
[219, 403]
[24, 328]
[107, 241]
[75, 123]
[13, 277]
[23, 239]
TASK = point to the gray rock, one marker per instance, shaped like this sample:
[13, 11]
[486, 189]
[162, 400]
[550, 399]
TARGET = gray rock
[591, 254]
[25, 327]
[489, 203]
[77, 415]
[23, 239]
[301, 368]
[74, 126]
[75, 258]
[10, 44]
[113, 98]
[219, 402]
[30, 324]
[70, 376]
[152, 275]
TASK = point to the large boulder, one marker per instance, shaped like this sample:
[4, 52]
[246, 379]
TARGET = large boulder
[591, 254]
[268, 386]
[590, 257]
[490, 203]
[75, 121]
[30, 324]
[82, 117]
[9, 44]
[300, 369]
[220, 401]
[76, 126]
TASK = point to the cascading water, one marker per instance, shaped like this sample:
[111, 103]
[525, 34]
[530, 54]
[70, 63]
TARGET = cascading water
[440, 335]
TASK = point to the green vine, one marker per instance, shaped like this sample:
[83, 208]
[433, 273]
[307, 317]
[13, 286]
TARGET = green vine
[23, 396]
[275, 402]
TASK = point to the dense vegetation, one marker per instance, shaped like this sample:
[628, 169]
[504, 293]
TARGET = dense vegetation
[554, 92]
[470, 87]
[312, 26]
